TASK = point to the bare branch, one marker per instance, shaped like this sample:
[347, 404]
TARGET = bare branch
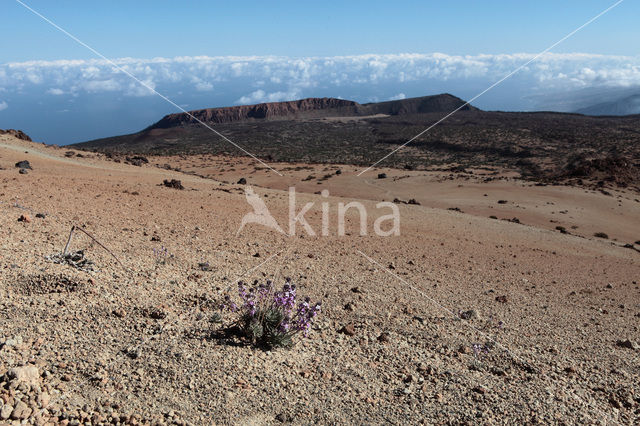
[73, 228]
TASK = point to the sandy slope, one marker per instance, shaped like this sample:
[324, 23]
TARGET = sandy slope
[137, 344]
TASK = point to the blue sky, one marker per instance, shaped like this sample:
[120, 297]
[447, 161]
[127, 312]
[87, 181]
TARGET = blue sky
[211, 53]
[144, 28]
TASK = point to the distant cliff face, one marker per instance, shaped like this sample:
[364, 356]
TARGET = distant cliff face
[313, 107]
[422, 105]
[259, 111]
[311, 122]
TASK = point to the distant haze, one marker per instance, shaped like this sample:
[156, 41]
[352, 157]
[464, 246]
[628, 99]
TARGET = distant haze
[70, 101]
[624, 106]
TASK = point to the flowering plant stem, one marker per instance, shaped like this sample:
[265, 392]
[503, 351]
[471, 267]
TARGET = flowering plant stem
[270, 318]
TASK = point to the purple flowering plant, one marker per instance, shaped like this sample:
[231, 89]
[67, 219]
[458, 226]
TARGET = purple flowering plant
[269, 317]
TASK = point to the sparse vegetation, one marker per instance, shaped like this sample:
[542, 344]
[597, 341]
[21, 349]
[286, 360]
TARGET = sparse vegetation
[540, 146]
[270, 318]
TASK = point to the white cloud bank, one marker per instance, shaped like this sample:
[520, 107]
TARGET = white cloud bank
[3, 105]
[271, 78]
[260, 96]
[398, 97]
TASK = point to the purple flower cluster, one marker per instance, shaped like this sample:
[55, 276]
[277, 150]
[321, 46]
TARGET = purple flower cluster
[479, 349]
[305, 315]
[160, 255]
[285, 299]
[270, 315]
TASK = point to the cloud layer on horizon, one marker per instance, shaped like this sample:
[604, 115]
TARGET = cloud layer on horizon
[77, 100]
[275, 78]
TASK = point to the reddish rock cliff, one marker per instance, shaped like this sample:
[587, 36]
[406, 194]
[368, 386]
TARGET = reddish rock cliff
[259, 111]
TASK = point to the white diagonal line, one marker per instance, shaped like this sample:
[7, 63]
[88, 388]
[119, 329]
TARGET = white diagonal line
[492, 86]
[179, 317]
[517, 358]
[432, 300]
[119, 68]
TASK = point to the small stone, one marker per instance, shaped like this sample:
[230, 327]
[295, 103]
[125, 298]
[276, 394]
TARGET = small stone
[24, 218]
[242, 181]
[463, 349]
[614, 402]
[479, 389]
[28, 374]
[133, 352]
[43, 399]
[40, 215]
[120, 313]
[283, 418]
[349, 330]
[305, 373]
[6, 411]
[382, 175]
[384, 337]
[420, 319]
[470, 314]
[498, 372]
[628, 344]
[501, 299]
[158, 314]
[23, 171]
[21, 411]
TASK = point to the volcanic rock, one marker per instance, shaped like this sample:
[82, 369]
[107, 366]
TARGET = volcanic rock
[24, 164]
[16, 134]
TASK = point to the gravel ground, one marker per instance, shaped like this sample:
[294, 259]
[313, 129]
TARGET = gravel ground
[460, 319]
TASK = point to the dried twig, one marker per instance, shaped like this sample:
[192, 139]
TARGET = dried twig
[66, 247]
[73, 228]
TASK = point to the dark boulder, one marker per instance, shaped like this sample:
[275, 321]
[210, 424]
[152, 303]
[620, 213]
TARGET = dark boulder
[24, 164]
[138, 160]
[173, 183]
